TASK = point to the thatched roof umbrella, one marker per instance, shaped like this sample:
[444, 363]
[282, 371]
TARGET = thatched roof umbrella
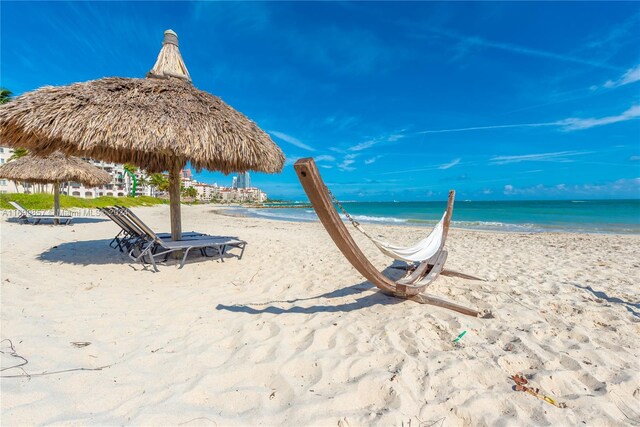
[54, 169]
[158, 123]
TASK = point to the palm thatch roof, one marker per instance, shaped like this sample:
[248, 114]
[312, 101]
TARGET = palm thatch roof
[150, 122]
[54, 168]
[147, 122]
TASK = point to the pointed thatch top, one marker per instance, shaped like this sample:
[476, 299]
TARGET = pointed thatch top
[169, 62]
[54, 168]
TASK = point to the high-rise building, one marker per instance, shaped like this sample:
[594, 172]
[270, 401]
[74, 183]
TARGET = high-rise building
[244, 180]
[234, 182]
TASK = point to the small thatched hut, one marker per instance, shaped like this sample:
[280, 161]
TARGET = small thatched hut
[54, 169]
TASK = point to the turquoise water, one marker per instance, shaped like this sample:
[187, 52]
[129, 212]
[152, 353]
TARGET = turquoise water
[589, 216]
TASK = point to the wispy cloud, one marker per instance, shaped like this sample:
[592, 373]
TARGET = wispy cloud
[291, 160]
[631, 76]
[371, 160]
[470, 41]
[580, 124]
[291, 140]
[325, 158]
[569, 124]
[559, 156]
[364, 145]
[374, 141]
[348, 160]
[519, 125]
[450, 164]
[619, 188]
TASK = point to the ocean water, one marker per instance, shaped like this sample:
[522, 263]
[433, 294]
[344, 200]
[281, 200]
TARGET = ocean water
[584, 216]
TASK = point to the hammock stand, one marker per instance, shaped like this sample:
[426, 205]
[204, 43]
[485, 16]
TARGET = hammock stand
[410, 287]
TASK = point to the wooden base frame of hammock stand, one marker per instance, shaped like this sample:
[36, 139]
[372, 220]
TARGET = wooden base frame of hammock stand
[410, 287]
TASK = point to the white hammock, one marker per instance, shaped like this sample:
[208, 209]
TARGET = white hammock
[421, 251]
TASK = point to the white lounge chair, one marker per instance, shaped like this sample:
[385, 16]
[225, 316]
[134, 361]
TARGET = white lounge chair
[27, 216]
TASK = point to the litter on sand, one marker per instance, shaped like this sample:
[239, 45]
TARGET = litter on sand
[521, 382]
[460, 336]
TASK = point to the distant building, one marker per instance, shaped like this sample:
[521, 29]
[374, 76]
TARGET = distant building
[122, 184]
[206, 192]
[244, 180]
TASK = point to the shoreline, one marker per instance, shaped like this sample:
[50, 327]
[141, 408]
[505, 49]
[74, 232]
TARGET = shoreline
[236, 211]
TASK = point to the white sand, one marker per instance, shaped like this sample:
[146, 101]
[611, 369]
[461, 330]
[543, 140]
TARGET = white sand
[292, 335]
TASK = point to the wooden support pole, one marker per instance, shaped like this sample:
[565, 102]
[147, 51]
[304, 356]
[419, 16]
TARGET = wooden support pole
[174, 200]
[56, 202]
[56, 199]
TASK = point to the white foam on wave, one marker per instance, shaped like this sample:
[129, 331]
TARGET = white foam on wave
[384, 219]
[308, 215]
[299, 215]
[498, 226]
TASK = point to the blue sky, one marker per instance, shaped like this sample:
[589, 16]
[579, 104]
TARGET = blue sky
[396, 101]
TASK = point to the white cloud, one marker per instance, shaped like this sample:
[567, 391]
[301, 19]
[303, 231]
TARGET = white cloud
[469, 42]
[520, 125]
[371, 142]
[569, 124]
[364, 145]
[450, 164]
[580, 124]
[371, 160]
[291, 160]
[291, 140]
[631, 76]
[619, 188]
[325, 158]
[559, 156]
[347, 162]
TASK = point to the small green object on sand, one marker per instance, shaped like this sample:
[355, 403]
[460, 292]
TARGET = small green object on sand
[460, 336]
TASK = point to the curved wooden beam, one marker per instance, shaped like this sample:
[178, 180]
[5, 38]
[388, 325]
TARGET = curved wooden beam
[316, 190]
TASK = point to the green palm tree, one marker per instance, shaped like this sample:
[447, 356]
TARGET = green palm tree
[17, 153]
[143, 181]
[159, 181]
[190, 192]
[5, 95]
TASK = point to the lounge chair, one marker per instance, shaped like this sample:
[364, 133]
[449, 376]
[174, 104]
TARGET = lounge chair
[147, 243]
[130, 234]
[27, 216]
[188, 235]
